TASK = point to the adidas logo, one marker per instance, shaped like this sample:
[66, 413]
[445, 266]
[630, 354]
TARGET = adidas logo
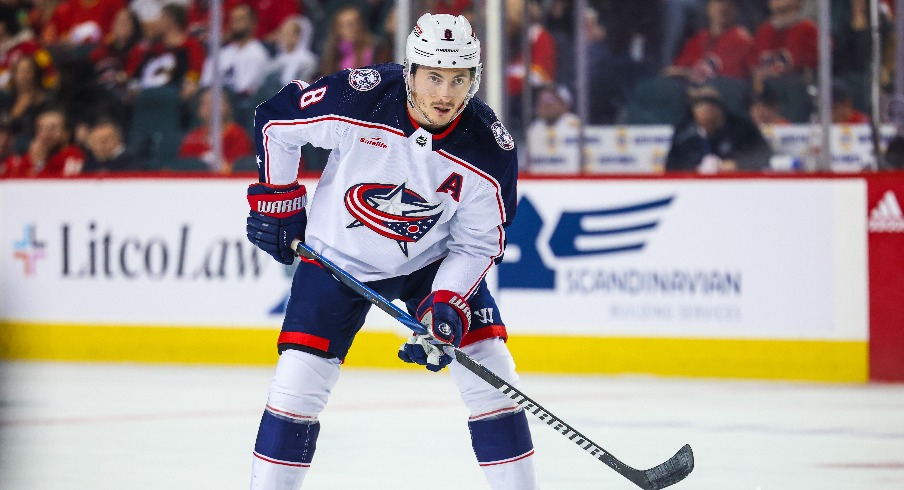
[887, 215]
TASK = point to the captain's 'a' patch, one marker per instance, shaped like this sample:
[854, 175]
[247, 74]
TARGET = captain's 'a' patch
[364, 79]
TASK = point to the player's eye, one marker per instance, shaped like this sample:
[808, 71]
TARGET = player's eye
[435, 79]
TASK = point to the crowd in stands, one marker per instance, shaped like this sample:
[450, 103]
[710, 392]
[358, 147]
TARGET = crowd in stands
[99, 86]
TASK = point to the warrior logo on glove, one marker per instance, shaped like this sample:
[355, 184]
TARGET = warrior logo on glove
[276, 218]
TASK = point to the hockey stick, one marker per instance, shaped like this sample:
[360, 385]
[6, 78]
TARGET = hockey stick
[666, 474]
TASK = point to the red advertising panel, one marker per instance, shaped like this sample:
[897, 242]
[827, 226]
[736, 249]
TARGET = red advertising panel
[885, 196]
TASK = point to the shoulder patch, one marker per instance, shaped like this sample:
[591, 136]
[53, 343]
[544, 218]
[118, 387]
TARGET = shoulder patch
[364, 79]
[503, 138]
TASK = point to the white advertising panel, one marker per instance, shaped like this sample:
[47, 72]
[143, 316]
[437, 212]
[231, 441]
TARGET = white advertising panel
[717, 258]
[723, 258]
[145, 252]
[643, 149]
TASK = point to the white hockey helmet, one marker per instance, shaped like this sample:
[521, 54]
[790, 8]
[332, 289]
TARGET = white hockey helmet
[443, 41]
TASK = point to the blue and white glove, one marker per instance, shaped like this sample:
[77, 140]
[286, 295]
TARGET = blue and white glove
[447, 317]
[276, 218]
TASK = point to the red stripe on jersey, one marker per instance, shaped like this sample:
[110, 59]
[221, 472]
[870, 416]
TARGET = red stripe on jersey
[499, 206]
[484, 333]
[298, 122]
[483, 174]
[305, 339]
[440, 135]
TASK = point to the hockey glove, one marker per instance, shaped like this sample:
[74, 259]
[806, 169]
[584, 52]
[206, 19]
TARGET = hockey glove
[447, 317]
[277, 217]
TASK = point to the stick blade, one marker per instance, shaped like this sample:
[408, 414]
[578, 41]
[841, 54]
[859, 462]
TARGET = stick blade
[672, 471]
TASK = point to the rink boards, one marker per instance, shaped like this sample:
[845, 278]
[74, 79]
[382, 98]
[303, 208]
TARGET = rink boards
[733, 277]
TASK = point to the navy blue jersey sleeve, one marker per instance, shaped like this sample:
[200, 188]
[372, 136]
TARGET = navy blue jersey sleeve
[298, 114]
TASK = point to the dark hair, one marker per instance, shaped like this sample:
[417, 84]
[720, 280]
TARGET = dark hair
[251, 10]
[894, 155]
[108, 121]
[840, 92]
[177, 13]
[9, 18]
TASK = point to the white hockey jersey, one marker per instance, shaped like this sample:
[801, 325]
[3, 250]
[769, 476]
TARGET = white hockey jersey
[393, 197]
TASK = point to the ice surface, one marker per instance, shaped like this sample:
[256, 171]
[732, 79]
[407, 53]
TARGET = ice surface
[74, 426]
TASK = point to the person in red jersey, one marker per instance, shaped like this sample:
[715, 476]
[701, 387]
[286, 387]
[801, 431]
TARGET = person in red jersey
[50, 153]
[170, 57]
[843, 109]
[787, 43]
[721, 49]
[236, 142]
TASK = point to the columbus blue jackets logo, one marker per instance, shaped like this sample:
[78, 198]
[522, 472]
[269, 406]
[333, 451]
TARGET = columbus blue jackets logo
[364, 79]
[393, 211]
[503, 138]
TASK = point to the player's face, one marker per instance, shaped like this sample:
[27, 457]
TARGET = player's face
[439, 93]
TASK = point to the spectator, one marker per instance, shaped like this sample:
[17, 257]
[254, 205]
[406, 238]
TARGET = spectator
[16, 42]
[678, 18]
[270, 16]
[713, 140]
[50, 153]
[384, 52]
[634, 33]
[843, 110]
[6, 145]
[559, 22]
[349, 44]
[543, 49]
[236, 143]
[45, 20]
[169, 56]
[88, 21]
[294, 59]
[23, 99]
[764, 109]
[542, 70]
[150, 11]
[243, 59]
[110, 57]
[894, 154]
[720, 50]
[107, 151]
[784, 44]
[551, 138]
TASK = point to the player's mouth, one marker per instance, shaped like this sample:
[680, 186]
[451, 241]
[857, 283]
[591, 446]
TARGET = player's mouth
[443, 111]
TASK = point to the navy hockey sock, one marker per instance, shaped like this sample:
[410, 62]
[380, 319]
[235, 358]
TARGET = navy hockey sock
[501, 439]
[286, 439]
[504, 450]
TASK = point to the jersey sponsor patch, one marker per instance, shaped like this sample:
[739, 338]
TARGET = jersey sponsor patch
[393, 211]
[503, 138]
[364, 79]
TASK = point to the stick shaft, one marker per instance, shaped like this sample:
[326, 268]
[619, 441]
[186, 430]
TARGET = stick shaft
[675, 472]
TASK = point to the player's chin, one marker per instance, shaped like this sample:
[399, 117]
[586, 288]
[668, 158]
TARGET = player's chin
[443, 115]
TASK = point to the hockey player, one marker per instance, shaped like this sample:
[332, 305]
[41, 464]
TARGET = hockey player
[414, 199]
